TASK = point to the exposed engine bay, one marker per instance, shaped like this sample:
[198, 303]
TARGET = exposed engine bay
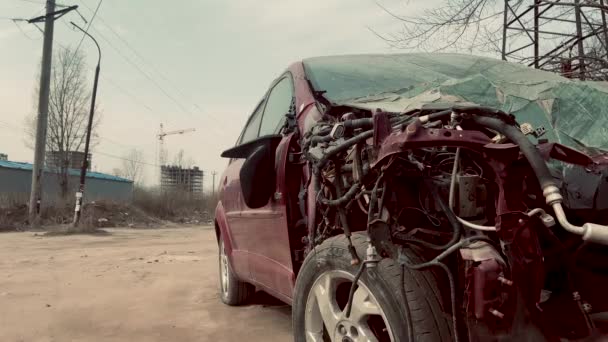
[466, 186]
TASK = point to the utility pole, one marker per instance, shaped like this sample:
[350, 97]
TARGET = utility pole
[213, 190]
[43, 112]
[85, 160]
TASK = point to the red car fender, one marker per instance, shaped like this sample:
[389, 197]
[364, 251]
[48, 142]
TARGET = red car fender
[221, 228]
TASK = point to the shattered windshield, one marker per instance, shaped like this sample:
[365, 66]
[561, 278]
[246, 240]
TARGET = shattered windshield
[572, 112]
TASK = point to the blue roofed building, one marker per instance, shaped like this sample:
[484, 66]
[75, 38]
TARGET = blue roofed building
[16, 179]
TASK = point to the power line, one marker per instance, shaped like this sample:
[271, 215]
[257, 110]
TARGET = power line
[142, 58]
[38, 27]
[21, 29]
[150, 65]
[9, 124]
[42, 3]
[139, 148]
[138, 68]
[116, 85]
[135, 65]
[33, 2]
[127, 93]
[88, 25]
[123, 91]
[129, 60]
[125, 159]
[86, 31]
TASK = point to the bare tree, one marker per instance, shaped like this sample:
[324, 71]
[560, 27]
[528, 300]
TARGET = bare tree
[132, 166]
[479, 26]
[69, 104]
[455, 24]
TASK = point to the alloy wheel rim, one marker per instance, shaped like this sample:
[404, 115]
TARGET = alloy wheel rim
[325, 318]
[224, 279]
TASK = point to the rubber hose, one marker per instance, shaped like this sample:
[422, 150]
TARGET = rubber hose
[527, 148]
[439, 115]
[350, 194]
[456, 226]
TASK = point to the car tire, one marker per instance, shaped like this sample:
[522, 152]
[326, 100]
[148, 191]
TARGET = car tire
[232, 291]
[423, 312]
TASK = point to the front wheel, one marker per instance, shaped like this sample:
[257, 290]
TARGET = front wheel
[379, 312]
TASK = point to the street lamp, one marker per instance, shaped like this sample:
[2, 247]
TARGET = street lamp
[85, 160]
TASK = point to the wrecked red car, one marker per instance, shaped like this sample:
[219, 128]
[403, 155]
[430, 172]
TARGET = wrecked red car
[422, 197]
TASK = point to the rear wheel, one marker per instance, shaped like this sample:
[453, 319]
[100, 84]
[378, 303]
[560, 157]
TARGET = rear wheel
[379, 312]
[232, 291]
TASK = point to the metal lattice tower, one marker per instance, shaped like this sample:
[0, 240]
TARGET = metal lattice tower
[564, 36]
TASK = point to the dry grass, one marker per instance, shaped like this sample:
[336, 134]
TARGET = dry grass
[150, 208]
[176, 206]
[14, 214]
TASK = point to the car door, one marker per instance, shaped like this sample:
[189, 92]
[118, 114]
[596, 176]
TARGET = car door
[268, 240]
[232, 200]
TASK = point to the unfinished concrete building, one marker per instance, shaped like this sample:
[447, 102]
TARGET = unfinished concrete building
[176, 178]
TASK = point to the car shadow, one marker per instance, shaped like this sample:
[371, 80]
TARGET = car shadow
[266, 301]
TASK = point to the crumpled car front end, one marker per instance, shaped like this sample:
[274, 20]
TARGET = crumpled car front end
[494, 169]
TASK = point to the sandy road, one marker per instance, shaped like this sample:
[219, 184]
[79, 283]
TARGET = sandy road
[131, 285]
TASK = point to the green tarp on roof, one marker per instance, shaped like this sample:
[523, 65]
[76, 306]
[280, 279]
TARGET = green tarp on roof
[574, 113]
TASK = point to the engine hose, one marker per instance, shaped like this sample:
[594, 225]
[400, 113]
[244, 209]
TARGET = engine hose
[436, 262]
[452, 299]
[450, 250]
[333, 151]
[351, 293]
[359, 162]
[527, 148]
[320, 139]
[358, 123]
[350, 168]
[451, 197]
[364, 123]
[330, 152]
[372, 201]
[435, 116]
[342, 212]
[349, 195]
[350, 125]
[485, 111]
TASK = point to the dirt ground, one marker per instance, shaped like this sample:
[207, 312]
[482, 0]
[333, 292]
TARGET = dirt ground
[130, 285]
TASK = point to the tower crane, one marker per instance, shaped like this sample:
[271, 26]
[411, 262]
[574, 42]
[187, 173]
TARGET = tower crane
[162, 154]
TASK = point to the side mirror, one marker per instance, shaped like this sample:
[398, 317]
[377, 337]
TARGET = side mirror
[257, 175]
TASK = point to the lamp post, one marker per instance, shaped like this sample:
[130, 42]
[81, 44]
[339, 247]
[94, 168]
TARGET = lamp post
[85, 160]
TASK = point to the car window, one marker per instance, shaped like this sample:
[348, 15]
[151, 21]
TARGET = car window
[253, 125]
[278, 104]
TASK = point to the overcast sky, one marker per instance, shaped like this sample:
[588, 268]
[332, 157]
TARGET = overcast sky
[214, 59]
